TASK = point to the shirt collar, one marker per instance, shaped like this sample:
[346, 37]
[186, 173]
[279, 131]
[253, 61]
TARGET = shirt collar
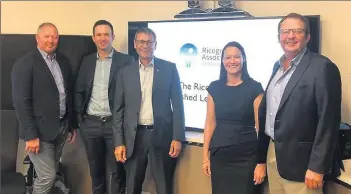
[109, 55]
[296, 60]
[149, 65]
[46, 55]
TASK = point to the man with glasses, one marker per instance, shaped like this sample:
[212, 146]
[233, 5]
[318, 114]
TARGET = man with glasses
[299, 115]
[148, 117]
[94, 100]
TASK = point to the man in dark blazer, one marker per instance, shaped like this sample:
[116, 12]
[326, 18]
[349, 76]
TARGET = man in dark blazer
[94, 100]
[148, 117]
[299, 115]
[42, 98]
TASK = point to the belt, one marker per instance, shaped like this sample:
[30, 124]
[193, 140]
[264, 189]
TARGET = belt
[146, 127]
[100, 118]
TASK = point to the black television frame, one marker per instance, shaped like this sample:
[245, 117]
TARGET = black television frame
[313, 45]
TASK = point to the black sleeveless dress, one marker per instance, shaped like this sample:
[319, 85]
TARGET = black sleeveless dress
[234, 141]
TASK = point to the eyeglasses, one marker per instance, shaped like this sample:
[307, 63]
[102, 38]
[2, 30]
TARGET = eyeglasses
[143, 42]
[293, 30]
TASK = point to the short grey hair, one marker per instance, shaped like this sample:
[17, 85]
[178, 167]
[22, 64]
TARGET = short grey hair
[145, 30]
[46, 24]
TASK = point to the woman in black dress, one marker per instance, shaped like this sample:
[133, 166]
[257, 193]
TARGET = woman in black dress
[230, 136]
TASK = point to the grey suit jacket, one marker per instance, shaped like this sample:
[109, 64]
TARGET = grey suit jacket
[167, 105]
[85, 78]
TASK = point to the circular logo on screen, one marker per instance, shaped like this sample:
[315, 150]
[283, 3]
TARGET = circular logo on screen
[188, 51]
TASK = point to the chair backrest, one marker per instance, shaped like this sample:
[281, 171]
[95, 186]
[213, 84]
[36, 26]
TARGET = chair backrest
[8, 141]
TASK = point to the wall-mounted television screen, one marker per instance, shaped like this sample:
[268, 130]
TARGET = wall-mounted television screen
[195, 46]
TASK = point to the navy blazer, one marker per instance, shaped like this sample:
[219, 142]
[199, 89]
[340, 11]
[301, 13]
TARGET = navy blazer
[36, 97]
[307, 121]
[85, 79]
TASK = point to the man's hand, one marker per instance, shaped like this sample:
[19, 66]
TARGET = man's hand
[72, 136]
[313, 180]
[33, 145]
[174, 151]
[121, 154]
[260, 173]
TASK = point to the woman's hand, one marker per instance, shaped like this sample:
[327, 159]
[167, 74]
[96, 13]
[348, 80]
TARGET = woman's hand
[260, 173]
[206, 165]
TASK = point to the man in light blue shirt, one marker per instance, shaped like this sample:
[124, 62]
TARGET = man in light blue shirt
[42, 99]
[299, 116]
[94, 100]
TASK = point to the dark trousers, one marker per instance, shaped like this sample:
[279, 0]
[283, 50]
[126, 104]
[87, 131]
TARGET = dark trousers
[162, 165]
[98, 140]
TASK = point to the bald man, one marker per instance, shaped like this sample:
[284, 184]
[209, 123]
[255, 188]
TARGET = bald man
[42, 98]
